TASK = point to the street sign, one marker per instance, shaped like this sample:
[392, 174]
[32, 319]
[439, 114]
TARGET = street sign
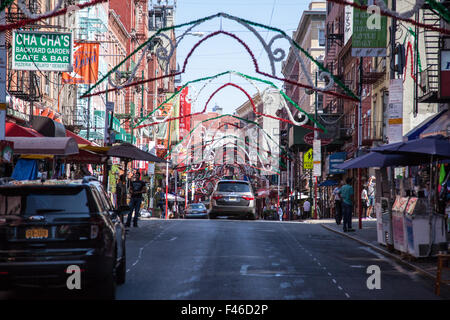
[317, 158]
[41, 50]
[110, 106]
[308, 160]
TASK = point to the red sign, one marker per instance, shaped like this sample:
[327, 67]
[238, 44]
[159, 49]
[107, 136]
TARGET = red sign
[445, 74]
[185, 110]
[309, 138]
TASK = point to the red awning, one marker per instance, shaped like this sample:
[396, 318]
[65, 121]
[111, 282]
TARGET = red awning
[80, 140]
[14, 130]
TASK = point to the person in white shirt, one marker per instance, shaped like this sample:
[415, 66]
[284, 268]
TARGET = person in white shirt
[306, 209]
[280, 213]
[337, 204]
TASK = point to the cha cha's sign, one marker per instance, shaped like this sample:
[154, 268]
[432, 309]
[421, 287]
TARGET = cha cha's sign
[45, 51]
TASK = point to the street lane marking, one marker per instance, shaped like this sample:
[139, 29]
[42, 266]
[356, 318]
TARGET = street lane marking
[244, 268]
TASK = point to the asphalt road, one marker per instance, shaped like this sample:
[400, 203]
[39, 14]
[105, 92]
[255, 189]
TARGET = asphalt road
[258, 260]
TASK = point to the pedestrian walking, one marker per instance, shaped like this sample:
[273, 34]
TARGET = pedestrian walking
[280, 213]
[306, 209]
[371, 192]
[121, 196]
[159, 198]
[337, 204]
[137, 189]
[364, 201]
[346, 194]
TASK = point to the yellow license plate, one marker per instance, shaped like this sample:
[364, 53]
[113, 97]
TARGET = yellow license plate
[36, 233]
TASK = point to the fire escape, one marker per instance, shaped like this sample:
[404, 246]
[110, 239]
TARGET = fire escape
[429, 77]
[21, 84]
[332, 116]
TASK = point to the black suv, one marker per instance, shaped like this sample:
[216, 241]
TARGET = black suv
[47, 227]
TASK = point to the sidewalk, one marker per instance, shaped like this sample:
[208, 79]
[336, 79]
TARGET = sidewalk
[368, 236]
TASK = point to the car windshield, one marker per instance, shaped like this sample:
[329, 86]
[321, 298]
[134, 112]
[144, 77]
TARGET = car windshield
[197, 206]
[233, 187]
[29, 201]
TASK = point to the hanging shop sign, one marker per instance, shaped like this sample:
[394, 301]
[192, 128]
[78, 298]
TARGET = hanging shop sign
[348, 23]
[317, 158]
[395, 111]
[44, 51]
[85, 64]
[369, 32]
[309, 139]
[185, 109]
[6, 151]
[334, 160]
[444, 77]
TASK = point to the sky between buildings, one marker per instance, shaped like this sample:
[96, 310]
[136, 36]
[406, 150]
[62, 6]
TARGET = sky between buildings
[223, 53]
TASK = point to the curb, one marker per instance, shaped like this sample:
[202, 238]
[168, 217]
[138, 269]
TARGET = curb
[384, 252]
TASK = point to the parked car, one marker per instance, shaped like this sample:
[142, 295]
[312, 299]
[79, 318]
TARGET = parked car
[196, 210]
[233, 198]
[45, 227]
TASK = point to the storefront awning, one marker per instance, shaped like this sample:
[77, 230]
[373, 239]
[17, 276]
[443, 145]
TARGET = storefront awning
[423, 126]
[80, 140]
[14, 130]
[440, 126]
[62, 146]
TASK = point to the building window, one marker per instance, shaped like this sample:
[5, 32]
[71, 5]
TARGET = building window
[322, 37]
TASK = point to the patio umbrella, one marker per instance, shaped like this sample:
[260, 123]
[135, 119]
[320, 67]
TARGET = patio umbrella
[381, 160]
[436, 146]
[129, 151]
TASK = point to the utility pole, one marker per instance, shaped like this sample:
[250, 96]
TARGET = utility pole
[359, 206]
[3, 63]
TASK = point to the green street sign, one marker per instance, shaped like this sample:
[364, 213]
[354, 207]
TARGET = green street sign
[45, 51]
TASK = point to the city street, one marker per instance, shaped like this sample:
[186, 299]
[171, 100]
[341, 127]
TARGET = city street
[231, 259]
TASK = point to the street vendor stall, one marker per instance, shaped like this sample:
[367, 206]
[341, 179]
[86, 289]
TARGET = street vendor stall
[417, 224]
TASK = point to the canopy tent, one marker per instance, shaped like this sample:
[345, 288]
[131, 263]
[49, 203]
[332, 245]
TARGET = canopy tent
[381, 160]
[436, 146]
[62, 146]
[129, 151]
[25, 169]
[87, 157]
[171, 197]
[328, 183]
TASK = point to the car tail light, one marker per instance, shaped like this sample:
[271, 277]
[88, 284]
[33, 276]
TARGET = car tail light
[217, 197]
[248, 198]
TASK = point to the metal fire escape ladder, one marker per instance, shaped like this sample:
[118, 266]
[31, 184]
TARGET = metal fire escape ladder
[430, 76]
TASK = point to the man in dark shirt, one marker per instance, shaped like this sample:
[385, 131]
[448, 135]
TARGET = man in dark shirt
[137, 189]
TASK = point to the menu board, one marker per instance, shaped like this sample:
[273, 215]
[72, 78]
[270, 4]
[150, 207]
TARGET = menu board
[402, 204]
[396, 204]
[411, 205]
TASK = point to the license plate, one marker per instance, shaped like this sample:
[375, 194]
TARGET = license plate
[36, 233]
[232, 199]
